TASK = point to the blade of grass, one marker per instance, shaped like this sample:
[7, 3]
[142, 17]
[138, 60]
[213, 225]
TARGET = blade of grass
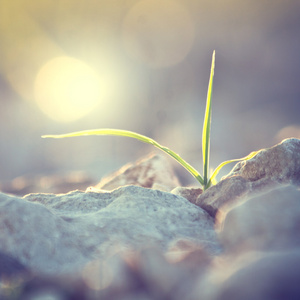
[220, 166]
[207, 124]
[137, 136]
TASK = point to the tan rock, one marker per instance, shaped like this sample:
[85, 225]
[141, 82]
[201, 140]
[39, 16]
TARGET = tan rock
[152, 171]
[280, 163]
[269, 168]
[190, 193]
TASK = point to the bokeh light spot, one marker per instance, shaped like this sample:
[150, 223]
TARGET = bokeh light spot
[158, 33]
[67, 89]
[98, 275]
[292, 131]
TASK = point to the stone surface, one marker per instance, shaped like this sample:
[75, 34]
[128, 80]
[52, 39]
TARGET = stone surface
[139, 243]
[136, 275]
[11, 268]
[190, 193]
[61, 233]
[269, 168]
[280, 163]
[152, 171]
[272, 277]
[269, 221]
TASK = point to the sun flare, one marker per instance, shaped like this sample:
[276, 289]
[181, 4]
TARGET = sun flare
[67, 89]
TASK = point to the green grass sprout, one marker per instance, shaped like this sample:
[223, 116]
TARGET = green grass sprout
[207, 124]
[205, 181]
[137, 136]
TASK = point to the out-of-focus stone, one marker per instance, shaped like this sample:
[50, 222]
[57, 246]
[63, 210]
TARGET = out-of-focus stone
[273, 277]
[134, 275]
[56, 183]
[269, 168]
[269, 221]
[11, 268]
[152, 171]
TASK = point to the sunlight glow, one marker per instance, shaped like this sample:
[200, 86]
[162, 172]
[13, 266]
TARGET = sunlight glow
[288, 132]
[67, 89]
[158, 33]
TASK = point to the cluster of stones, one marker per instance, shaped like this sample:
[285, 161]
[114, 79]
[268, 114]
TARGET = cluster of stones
[138, 235]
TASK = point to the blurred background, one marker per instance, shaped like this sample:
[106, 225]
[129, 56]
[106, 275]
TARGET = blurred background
[144, 66]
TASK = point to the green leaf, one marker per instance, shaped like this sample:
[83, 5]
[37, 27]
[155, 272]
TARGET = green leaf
[204, 181]
[220, 166]
[207, 125]
[137, 136]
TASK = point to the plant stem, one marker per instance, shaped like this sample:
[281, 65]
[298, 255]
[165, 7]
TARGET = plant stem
[207, 125]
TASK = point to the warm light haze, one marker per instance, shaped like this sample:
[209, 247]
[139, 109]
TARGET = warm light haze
[67, 89]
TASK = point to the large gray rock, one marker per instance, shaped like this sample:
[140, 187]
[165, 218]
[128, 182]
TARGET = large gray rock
[135, 275]
[61, 233]
[267, 222]
[268, 169]
[272, 277]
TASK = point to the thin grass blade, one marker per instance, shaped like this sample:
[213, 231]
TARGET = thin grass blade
[212, 179]
[140, 137]
[207, 124]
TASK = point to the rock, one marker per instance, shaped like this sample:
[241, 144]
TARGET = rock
[223, 196]
[11, 268]
[266, 222]
[190, 193]
[53, 234]
[152, 171]
[280, 163]
[56, 183]
[273, 277]
[269, 168]
[141, 243]
[48, 288]
[145, 274]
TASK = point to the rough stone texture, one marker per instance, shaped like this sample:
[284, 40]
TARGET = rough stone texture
[269, 221]
[152, 171]
[190, 193]
[61, 233]
[221, 197]
[280, 163]
[136, 243]
[270, 167]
